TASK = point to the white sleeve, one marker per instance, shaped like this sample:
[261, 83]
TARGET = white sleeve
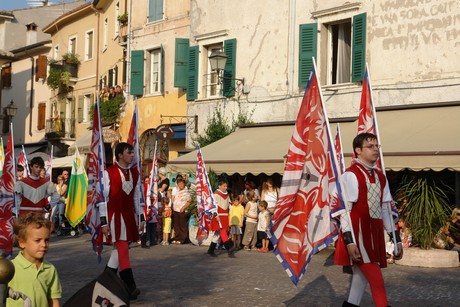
[350, 186]
[103, 205]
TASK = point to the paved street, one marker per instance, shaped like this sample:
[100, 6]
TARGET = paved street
[185, 276]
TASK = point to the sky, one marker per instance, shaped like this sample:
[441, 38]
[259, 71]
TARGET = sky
[20, 4]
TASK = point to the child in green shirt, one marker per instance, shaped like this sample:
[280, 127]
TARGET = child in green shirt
[34, 276]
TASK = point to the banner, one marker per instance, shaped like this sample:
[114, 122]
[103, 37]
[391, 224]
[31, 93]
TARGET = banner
[310, 194]
[75, 210]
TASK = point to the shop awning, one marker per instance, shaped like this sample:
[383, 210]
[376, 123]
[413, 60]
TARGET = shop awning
[417, 139]
[83, 143]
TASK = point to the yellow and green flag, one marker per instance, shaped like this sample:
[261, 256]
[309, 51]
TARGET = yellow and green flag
[75, 209]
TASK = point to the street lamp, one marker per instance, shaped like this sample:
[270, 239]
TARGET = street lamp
[9, 113]
[11, 110]
[217, 60]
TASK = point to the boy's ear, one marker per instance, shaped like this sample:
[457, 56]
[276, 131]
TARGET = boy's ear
[21, 244]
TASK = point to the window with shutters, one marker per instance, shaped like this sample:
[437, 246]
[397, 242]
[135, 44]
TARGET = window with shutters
[73, 45]
[41, 122]
[137, 73]
[341, 54]
[105, 34]
[117, 13]
[89, 43]
[6, 76]
[155, 10]
[56, 52]
[155, 70]
[42, 66]
[212, 85]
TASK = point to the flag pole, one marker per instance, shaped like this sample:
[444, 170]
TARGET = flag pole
[374, 116]
[334, 155]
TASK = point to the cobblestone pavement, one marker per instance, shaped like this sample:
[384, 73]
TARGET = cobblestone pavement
[185, 276]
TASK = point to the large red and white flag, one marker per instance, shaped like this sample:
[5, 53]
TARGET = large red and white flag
[133, 139]
[22, 160]
[310, 194]
[7, 181]
[96, 182]
[367, 119]
[204, 199]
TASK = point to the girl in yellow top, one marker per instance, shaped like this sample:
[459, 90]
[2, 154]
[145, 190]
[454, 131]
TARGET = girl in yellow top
[236, 220]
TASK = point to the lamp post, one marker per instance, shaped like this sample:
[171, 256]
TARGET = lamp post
[10, 111]
[217, 60]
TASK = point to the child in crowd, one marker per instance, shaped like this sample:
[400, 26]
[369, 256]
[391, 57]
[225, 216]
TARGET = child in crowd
[262, 225]
[167, 221]
[250, 211]
[34, 276]
[404, 233]
[236, 220]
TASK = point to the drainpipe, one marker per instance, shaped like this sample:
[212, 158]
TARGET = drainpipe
[32, 81]
[291, 45]
[97, 47]
[128, 44]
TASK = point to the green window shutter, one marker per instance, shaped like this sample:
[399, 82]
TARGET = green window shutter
[115, 76]
[81, 100]
[358, 56]
[192, 86]
[181, 63]
[155, 10]
[230, 67]
[137, 73]
[162, 70]
[111, 78]
[308, 42]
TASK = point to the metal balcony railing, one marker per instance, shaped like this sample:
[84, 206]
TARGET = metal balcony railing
[60, 128]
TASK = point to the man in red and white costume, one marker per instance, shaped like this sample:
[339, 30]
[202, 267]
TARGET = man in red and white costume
[368, 195]
[32, 192]
[122, 214]
[219, 221]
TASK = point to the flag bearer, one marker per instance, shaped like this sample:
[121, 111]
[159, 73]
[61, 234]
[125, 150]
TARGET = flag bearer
[367, 194]
[122, 216]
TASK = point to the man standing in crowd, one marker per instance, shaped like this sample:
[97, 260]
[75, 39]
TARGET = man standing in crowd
[122, 215]
[368, 195]
[180, 202]
[32, 192]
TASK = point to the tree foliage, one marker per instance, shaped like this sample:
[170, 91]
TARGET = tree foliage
[219, 128]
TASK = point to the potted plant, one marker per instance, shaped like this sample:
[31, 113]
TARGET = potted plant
[54, 79]
[123, 18]
[71, 58]
[427, 208]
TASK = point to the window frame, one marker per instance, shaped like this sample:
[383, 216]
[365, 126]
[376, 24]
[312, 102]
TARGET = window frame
[87, 45]
[72, 45]
[151, 52]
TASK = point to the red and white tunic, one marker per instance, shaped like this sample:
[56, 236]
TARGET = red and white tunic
[367, 189]
[223, 203]
[123, 208]
[32, 194]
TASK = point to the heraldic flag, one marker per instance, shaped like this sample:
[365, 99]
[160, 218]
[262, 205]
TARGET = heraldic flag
[204, 199]
[75, 209]
[7, 198]
[96, 183]
[133, 139]
[310, 194]
[2, 156]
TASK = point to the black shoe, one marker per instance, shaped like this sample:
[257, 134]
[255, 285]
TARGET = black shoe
[128, 278]
[231, 254]
[347, 304]
[145, 246]
[211, 249]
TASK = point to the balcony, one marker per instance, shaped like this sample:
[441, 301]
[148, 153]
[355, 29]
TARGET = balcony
[66, 67]
[123, 35]
[60, 129]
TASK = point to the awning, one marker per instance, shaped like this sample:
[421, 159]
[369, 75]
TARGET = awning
[417, 139]
[63, 162]
[83, 143]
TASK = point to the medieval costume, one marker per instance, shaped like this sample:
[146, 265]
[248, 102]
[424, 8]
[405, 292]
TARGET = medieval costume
[31, 194]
